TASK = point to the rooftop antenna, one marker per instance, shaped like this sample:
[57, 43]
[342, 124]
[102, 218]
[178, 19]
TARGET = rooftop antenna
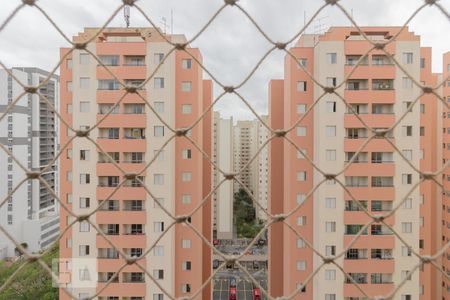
[171, 21]
[126, 15]
[164, 24]
[351, 24]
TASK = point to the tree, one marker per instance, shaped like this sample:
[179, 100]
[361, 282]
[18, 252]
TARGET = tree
[245, 215]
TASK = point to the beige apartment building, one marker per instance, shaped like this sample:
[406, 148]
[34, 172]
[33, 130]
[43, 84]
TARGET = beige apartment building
[132, 136]
[380, 178]
[224, 158]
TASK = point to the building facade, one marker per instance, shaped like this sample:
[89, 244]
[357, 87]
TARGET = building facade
[249, 137]
[223, 197]
[330, 135]
[31, 214]
[179, 177]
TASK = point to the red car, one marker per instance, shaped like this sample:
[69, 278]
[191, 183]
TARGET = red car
[232, 293]
[256, 294]
[215, 242]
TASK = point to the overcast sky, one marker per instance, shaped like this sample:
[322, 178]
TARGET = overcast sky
[231, 46]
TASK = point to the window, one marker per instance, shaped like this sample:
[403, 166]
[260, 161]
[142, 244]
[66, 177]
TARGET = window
[158, 226]
[301, 176]
[186, 176]
[407, 58]
[330, 131]
[330, 226]
[186, 244]
[109, 60]
[330, 250]
[69, 86]
[406, 251]
[69, 153]
[186, 265]
[158, 57]
[84, 154]
[158, 297]
[69, 108]
[185, 288]
[330, 296]
[186, 109]
[301, 243]
[85, 178]
[301, 198]
[186, 86]
[158, 251]
[422, 131]
[186, 199]
[331, 106]
[158, 131]
[407, 130]
[407, 83]
[301, 265]
[158, 274]
[422, 108]
[406, 227]
[301, 86]
[84, 59]
[186, 63]
[301, 221]
[422, 62]
[69, 63]
[302, 62]
[330, 274]
[301, 131]
[84, 226]
[330, 202]
[159, 107]
[301, 108]
[69, 198]
[186, 153]
[84, 82]
[407, 204]
[330, 155]
[85, 202]
[84, 250]
[332, 58]
[158, 179]
[407, 106]
[406, 297]
[159, 83]
[407, 154]
[331, 81]
[406, 178]
[84, 107]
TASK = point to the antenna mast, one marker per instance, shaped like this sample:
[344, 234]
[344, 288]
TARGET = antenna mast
[126, 14]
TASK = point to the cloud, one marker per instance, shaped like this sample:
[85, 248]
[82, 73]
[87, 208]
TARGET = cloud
[231, 45]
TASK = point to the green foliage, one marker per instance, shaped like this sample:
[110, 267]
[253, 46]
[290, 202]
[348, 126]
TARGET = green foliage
[245, 215]
[31, 283]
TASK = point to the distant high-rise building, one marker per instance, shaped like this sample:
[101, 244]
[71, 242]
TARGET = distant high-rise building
[249, 137]
[179, 178]
[30, 214]
[380, 93]
[224, 196]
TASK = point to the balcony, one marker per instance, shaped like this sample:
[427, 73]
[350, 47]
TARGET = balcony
[123, 72]
[382, 84]
[356, 265]
[123, 193]
[131, 241]
[122, 289]
[106, 96]
[123, 145]
[372, 120]
[121, 217]
[105, 169]
[371, 241]
[110, 265]
[123, 119]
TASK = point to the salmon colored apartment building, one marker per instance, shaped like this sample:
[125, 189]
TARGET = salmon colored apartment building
[132, 135]
[380, 93]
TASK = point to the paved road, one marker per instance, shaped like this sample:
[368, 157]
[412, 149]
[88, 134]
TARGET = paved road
[244, 289]
[221, 287]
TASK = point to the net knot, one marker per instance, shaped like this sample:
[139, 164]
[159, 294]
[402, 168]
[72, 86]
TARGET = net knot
[427, 175]
[82, 218]
[82, 133]
[33, 175]
[430, 2]
[80, 46]
[427, 89]
[280, 45]
[29, 2]
[129, 2]
[426, 259]
[33, 258]
[331, 2]
[230, 2]
[228, 89]
[130, 176]
[131, 260]
[328, 89]
[30, 89]
[131, 89]
[181, 219]
[328, 260]
[279, 218]
[181, 132]
[378, 219]
[379, 46]
[180, 46]
[330, 176]
[280, 133]
[379, 133]
[229, 176]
